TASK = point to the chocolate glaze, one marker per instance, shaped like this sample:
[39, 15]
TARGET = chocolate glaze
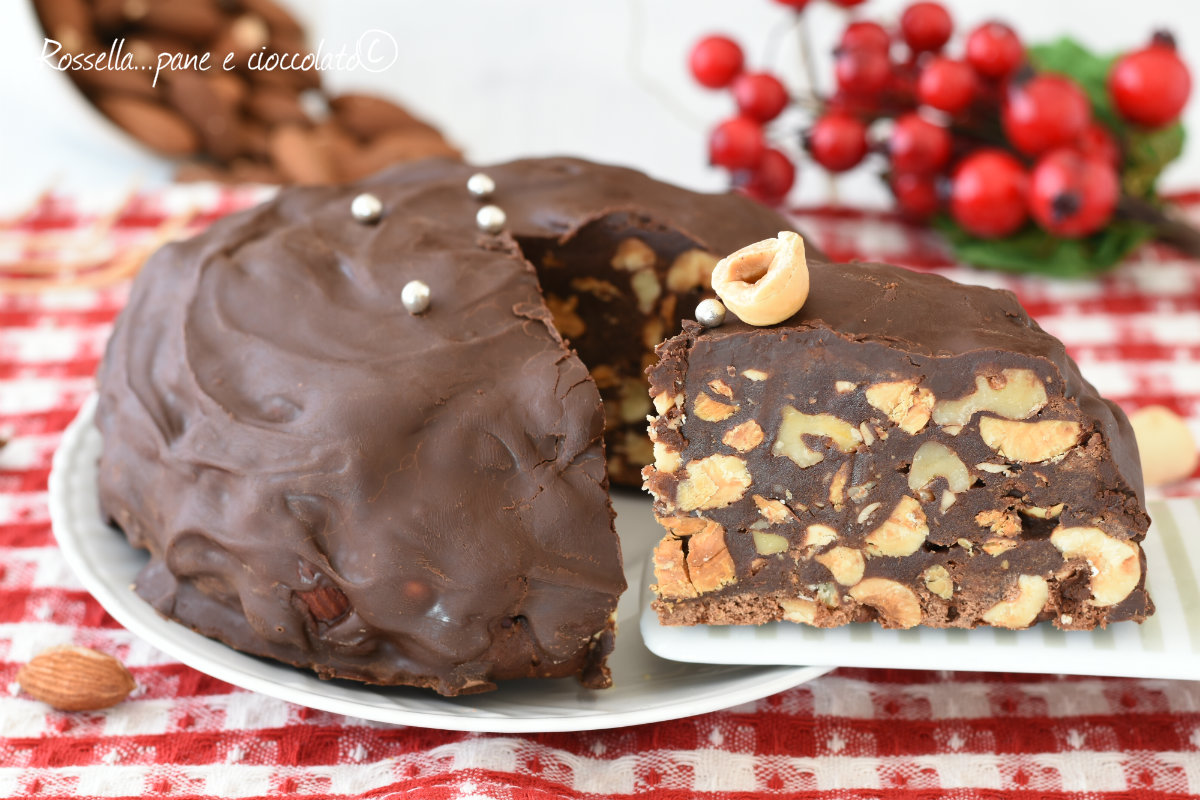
[322, 478]
[870, 323]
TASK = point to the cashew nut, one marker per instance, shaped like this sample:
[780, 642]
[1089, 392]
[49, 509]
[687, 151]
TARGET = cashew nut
[766, 282]
[1022, 610]
[895, 603]
[1116, 564]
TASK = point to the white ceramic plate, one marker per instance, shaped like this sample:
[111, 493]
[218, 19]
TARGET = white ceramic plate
[1167, 645]
[646, 688]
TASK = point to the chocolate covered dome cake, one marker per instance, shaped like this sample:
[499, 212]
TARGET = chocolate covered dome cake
[356, 441]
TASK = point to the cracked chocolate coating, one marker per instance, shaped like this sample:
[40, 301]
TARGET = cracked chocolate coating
[865, 324]
[324, 479]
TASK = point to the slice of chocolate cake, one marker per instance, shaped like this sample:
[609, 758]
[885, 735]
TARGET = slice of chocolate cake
[903, 449]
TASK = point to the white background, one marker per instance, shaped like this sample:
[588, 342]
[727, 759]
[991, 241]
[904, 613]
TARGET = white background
[507, 78]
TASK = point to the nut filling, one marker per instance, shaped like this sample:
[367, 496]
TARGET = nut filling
[828, 479]
[616, 288]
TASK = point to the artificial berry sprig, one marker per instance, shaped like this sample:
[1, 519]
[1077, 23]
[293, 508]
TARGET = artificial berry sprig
[1046, 154]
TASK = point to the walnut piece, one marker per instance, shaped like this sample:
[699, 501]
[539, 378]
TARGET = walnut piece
[827, 594]
[1029, 441]
[710, 410]
[845, 564]
[744, 437]
[1044, 512]
[766, 282]
[902, 533]
[1116, 564]
[837, 486]
[632, 255]
[604, 290]
[1022, 610]
[568, 324]
[934, 460]
[905, 403]
[721, 387]
[691, 269]
[994, 547]
[1013, 394]
[712, 482]
[754, 375]
[938, 581]
[709, 563]
[1002, 522]
[773, 511]
[896, 604]
[818, 535]
[796, 425]
[670, 572]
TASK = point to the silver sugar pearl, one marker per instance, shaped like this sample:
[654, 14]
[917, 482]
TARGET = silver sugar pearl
[491, 219]
[366, 208]
[710, 313]
[481, 186]
[415, 296]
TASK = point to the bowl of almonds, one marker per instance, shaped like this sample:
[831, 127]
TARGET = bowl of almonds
[187, 81]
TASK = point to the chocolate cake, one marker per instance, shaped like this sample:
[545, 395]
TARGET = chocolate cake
[349, 434]
[902, 449]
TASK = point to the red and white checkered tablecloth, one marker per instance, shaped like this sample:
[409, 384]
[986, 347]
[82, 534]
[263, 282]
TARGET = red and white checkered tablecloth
[851, 734]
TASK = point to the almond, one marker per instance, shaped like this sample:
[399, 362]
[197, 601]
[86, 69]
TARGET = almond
[72, 678]
[276, 106]
[296, 153]
[157, 127]
[367, 117]
[395, 147]
[327, 603]
[196, 20]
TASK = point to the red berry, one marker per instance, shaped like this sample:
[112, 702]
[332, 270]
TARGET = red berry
[1071, 195]
[862, 71]
[926, 26]
[736, 143]
[946, 84]
[715, 61]
[994, 50]
[1151, 86]
[1045, 112]
[771, 181]
[796, 4]
[847, 3]
[1098, 144]
[917, 145]
[837, 141]
[865, 36]
[759, 96]
[988, 193]
[916, 195]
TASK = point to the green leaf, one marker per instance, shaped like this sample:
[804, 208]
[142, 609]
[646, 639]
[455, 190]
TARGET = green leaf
[1035, 251]
[1147, 153]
